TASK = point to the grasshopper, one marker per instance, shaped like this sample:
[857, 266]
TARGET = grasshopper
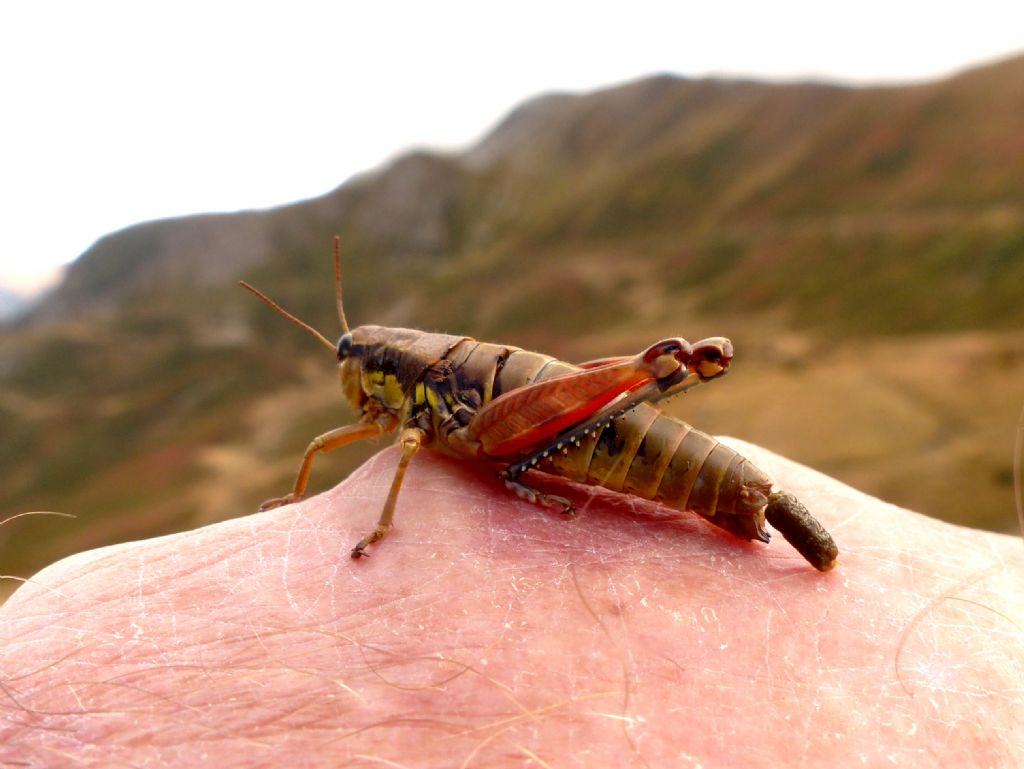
[595, 423]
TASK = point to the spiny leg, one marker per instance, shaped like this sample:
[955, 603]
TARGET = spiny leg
[708, 359]
[411, 439]
[329, 441]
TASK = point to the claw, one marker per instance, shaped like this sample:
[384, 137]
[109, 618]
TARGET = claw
[270, 504]
[531, 494]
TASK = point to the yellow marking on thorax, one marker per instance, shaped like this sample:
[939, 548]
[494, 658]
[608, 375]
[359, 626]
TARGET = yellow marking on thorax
[385, 388]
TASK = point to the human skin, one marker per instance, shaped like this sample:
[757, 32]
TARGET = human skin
[487, 632]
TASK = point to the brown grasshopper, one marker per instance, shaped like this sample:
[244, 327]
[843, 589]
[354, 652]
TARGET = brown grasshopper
[594, 423]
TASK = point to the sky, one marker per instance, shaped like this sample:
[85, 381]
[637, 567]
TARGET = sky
[115, 113]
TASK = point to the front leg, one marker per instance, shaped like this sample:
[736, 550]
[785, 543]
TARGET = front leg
[329, 441]
[410, 440]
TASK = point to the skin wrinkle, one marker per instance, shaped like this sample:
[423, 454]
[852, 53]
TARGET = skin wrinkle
[503, 726]
[285, 566]
[483, 644]
[379, 760]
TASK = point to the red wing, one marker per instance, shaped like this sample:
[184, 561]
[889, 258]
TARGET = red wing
[529, 416]
[589, 364]
[526, 418]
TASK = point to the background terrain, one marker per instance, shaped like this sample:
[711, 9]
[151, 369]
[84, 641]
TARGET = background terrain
[863, 248]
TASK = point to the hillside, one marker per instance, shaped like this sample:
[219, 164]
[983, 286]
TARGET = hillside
[864, 248]
[10, 304]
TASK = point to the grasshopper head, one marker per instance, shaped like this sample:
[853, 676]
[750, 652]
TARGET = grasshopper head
[350, 370]
[384, 364]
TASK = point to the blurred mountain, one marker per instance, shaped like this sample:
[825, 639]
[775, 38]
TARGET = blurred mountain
[718, 177]
[864, 247]
[11, 304]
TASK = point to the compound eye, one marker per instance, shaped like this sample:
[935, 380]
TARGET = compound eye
[344, 346]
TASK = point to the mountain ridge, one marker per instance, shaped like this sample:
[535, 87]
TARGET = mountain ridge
[642, 153]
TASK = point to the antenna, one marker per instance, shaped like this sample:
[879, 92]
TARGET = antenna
[323, 340]
[337, 283]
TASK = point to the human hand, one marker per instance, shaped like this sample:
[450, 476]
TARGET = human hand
[487, 632]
